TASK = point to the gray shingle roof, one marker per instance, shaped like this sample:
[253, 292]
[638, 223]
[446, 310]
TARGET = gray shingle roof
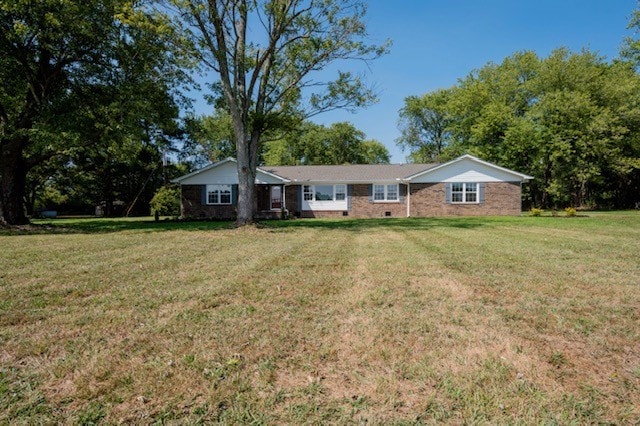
[348, 173]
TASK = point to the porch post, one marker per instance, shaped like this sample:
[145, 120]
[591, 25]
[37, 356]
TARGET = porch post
[284, 200]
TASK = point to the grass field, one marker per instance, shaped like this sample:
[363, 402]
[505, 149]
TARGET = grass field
[461, 320]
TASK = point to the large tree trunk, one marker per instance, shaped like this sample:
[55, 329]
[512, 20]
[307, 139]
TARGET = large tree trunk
[13, 183]
[247, 158]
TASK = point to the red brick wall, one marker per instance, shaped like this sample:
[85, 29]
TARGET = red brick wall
[361, 207]
[501, 198]
[192, 207]
[427, 199]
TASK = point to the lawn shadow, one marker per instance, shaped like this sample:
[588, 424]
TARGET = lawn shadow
[109, 225]
[389, 223]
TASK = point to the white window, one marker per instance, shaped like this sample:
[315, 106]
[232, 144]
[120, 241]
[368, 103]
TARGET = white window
[464, 192]
[470, 192]
[324, 192]
[378, 192]
[386, 192]
[392, 192]
[218, 194]
[307, 192]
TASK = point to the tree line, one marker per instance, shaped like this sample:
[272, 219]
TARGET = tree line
[571, 120]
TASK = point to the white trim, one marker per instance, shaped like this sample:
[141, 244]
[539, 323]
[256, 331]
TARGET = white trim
[522, 176]
[319, 205]
[284, 199]
[218, 188]
[273, 175]
[221, 162]
[386, 192]
[464, 193]
[347, 182]
[408, 199]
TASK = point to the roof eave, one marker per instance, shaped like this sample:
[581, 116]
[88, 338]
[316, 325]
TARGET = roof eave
[202, 170]
[522, 176]
[273, 175]
[221, 162]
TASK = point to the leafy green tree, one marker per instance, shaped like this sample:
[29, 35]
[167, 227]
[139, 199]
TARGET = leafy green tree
[340, 143]
[631, 47]
[374, 152]
[265, 54]
[57, 59]
[41, 45]
[424, 124]
[209, 138]
[571, 120]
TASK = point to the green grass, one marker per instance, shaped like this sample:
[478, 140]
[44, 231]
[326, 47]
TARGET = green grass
[461, 320]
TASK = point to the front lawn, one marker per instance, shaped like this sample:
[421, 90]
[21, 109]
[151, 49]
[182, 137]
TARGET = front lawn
[497, 320]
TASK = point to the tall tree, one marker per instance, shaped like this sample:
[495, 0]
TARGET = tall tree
[54, 56]
[571, 120]
[340, 143]
[424, 124]
[265, 54]
[631, 47]
[208, 138]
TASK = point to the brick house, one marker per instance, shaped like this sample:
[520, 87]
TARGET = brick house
[466, 186]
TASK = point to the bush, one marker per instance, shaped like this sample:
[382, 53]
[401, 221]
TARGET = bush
[166, 202]
[535, 212]
[570, 212]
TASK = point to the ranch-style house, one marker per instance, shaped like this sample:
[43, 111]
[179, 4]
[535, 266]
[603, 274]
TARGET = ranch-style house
[466, 186]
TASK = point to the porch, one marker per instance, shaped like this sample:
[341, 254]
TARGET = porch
[270, 201]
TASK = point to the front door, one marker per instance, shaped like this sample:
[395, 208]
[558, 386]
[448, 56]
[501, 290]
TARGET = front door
[276, 197]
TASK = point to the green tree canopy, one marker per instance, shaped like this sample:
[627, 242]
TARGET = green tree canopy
[208, 138]
[571, 120]
[340, 143]
[424, 124]
[77, 73]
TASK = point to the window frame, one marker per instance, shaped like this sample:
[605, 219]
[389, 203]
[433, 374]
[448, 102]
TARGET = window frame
[385, 193]
[331, 193]
[465, 192]
[219, 190]
[309, 193]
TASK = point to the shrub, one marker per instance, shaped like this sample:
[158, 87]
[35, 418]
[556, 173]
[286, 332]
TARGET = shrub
[166, 202]
[570, 212]
[535, 212]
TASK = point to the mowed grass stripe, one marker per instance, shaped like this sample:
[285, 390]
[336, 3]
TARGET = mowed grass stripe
[547, 302]
[462, 320]
[223, 305]
[476, 364]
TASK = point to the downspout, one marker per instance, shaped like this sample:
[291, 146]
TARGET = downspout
[408, 198]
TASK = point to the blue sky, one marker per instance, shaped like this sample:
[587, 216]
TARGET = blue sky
[437, 42]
